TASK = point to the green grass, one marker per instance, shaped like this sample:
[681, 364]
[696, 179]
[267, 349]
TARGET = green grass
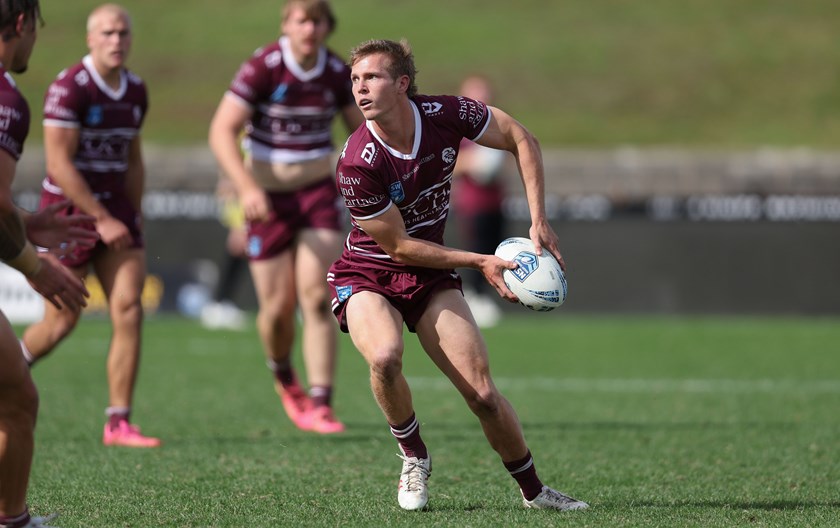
[578, 73]
[655, 421]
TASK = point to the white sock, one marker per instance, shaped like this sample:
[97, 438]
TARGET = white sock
[26, 354]
[111, 411]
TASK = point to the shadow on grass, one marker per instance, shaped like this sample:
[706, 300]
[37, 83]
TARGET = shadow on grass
[638, 426]
[769, 505]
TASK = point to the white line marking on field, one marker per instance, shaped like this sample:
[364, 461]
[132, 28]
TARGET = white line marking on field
[645, 385]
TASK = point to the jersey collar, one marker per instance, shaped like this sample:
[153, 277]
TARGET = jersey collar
[418, 131]
[295, 68]
[100, 82]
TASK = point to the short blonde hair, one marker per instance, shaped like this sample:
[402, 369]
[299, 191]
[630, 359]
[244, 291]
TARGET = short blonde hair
[402, 59]
[312, 8]
[107, 8]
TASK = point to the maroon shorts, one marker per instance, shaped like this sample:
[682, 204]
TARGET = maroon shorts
[118, 205]
[407, 291]
[314, 206]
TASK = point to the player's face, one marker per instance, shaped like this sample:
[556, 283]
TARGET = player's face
[306, 34]
[28, 34]
[376, 92]
[109, 40]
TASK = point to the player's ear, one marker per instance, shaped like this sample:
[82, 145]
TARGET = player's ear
[403, 82]
[20, 24]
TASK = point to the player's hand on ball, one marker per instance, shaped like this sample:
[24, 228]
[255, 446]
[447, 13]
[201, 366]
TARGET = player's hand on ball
[493, 270]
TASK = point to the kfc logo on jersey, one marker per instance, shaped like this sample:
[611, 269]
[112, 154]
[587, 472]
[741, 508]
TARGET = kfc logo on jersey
[396, 192]
[448, 155]
[431, 108]
[369, 153]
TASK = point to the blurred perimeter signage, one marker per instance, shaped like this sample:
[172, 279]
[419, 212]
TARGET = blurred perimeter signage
[699, 208]
[197, 205]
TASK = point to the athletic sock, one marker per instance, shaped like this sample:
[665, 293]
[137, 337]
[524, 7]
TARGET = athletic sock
[525, 473]
[116, 415]
[321, 395]
[283, 371]
[27, 355]
[408, 436]
[15, 521]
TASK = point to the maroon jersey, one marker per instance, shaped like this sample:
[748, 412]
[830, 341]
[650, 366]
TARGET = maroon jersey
[14, 116]
[108, 120]
[292, 108]
[372, 177]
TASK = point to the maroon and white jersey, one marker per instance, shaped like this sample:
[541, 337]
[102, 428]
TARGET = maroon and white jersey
[108, 120]
[372, 177]
[293, 108]
[14, 116]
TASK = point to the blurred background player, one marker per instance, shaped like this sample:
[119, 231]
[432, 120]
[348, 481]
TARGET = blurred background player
[477, 196]
[286, 96]
[18, 396]
[221, 311]
[395, 174]
[93, 113]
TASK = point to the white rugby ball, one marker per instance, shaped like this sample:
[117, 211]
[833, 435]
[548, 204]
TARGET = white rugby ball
[538, 282]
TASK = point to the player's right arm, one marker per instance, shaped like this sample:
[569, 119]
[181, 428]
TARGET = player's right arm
[388, 231]
[228, 122]
[60, 144]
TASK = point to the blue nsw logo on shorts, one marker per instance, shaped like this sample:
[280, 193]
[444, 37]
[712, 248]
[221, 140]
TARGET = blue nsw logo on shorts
[254, 246]
[343, 292]
[527, 264]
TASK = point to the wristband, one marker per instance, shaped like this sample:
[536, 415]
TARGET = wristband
[27, 261]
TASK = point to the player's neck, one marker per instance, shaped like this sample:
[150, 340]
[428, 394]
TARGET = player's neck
[306, 62]
[397, 128]
[111, 76]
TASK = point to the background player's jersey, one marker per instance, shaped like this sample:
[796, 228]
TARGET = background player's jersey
[372, 177]
[108, 120]
[14, 116]
[293, 108]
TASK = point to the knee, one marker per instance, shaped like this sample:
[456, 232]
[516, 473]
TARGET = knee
[129, 313]
[484, 401]
[386, 365]
[276, 315]
[315, 301]
[19, 404]
[61, 326]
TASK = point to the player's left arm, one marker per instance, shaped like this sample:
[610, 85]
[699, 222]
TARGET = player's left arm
[506, 133]
[135, 176]
[388, 231]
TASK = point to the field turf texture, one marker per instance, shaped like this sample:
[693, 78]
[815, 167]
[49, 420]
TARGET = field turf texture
[655, 421]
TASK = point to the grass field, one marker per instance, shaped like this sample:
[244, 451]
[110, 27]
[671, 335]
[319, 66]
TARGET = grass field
[654, 421]
[578, 72]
